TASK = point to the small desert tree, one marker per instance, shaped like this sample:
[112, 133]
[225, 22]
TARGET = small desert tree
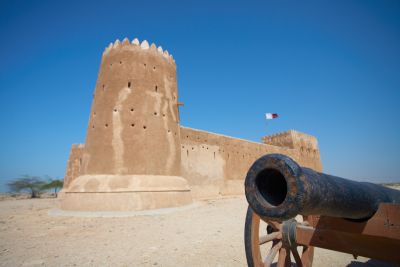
[32, 184]
[54, 184]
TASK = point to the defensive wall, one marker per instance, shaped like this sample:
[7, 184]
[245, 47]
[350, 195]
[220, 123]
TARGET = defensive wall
[215, 164]
[137, 155]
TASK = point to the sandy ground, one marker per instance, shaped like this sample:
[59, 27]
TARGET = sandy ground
[209, 233]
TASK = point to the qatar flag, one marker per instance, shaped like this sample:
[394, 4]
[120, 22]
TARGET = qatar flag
[270, 116]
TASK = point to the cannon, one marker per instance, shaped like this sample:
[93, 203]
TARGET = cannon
[293, 209]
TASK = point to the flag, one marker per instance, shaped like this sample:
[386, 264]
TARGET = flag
[270, 116]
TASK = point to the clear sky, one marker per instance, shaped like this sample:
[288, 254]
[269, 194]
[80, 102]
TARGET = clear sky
[329, 68]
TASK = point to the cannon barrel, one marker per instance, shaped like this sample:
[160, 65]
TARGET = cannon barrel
[278, 188]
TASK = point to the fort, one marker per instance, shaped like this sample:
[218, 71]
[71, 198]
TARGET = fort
[137, 156]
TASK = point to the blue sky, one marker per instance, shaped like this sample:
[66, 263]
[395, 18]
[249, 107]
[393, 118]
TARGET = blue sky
[329, 68]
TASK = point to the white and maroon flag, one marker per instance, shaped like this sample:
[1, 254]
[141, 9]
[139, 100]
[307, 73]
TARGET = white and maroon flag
[270, 116]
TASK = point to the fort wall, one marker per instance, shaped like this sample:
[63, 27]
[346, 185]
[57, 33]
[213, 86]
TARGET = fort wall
[215, 164]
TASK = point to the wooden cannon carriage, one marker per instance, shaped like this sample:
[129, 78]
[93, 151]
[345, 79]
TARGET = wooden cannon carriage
[293, 209]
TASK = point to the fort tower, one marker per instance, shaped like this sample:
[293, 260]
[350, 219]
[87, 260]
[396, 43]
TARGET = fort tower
[131, 158]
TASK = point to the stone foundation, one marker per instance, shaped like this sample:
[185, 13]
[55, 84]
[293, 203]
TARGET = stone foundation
[125, 193]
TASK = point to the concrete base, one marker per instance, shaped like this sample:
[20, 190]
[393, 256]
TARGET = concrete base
[125, 193]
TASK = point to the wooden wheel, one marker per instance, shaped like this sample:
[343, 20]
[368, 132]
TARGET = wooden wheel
[264, 246]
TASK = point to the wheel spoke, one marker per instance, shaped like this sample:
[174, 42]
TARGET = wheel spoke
[297, 257]
[271, 255]
[266, 238]
[307, 256]
[284, 258]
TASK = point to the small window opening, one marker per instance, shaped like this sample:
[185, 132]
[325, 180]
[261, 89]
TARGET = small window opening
[144, 127]
[129, 84]
[132, 125]
[106, 125]
[156, 88]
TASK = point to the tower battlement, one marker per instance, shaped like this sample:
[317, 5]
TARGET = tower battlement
[292, 139]
[136, 45]
[306, 144]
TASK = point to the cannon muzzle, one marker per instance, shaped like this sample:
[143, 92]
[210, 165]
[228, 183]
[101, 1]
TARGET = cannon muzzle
[278, 188]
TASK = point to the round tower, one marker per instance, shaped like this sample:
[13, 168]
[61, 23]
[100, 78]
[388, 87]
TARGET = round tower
[131, 159]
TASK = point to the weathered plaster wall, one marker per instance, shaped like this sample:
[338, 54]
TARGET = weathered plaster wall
[74, 164]
[134, 121]
[215, 164]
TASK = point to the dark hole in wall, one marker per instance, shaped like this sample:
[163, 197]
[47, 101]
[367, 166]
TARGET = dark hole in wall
[129, 84]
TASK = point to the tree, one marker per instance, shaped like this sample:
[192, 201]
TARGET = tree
[33, 184]
[56, 184]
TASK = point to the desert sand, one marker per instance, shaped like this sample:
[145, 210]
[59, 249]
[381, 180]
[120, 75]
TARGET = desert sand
[34, 232]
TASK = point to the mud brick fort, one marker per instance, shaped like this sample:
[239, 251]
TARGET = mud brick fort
[137, 155]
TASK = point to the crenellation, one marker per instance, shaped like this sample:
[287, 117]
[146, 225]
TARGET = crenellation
[144, 45]
[136, 42]
[125, 42]
[117, 44]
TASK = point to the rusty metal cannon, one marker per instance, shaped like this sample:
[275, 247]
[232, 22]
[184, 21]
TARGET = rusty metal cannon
[293, 209]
